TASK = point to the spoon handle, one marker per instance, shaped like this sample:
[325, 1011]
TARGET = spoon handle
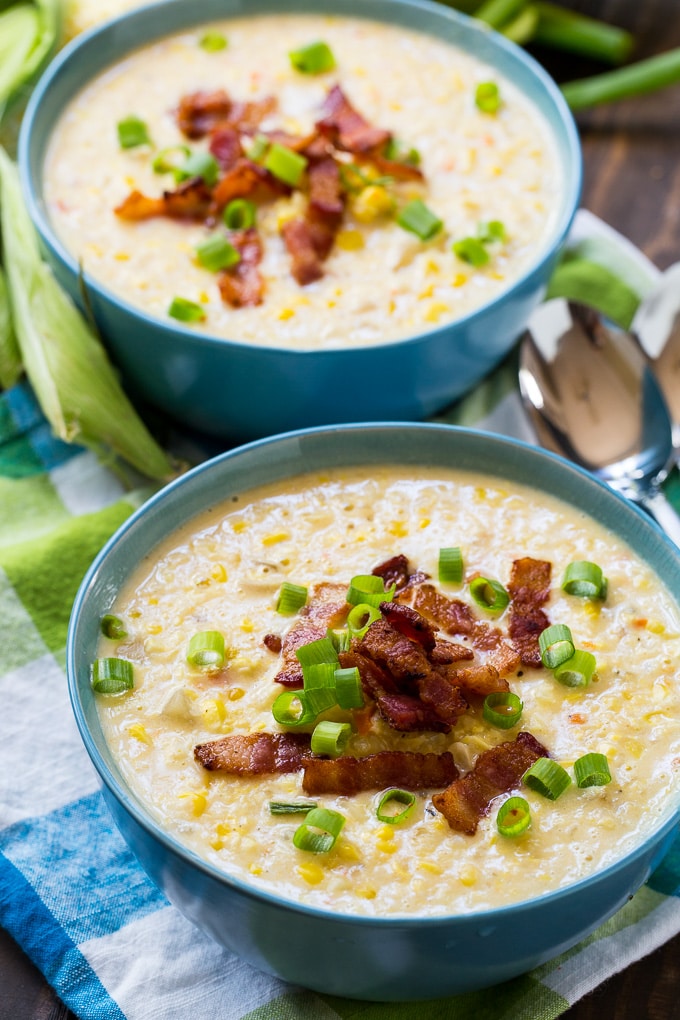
[663, 513]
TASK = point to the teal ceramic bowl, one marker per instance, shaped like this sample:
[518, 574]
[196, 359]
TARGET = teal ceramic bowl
[362, 957]
[236, 390]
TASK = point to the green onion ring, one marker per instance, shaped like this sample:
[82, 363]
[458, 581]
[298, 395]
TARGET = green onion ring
[502, 709]
[395, 796]
[556, 645]
[286, 715]
[489, 594]
[111, 676]
[330, 738]
[291, 598]
[360, 619]
[451, 565]
[578, 670]
[592, 770]
[319, 831]
[206, 650]
[514, 817]
[112, 627]
[584, 579]
[547, 777]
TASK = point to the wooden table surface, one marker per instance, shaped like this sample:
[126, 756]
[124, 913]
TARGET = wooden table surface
[632, 180]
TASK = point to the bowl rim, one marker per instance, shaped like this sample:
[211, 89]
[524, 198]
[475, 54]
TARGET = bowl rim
[144, 817]
[570, 193]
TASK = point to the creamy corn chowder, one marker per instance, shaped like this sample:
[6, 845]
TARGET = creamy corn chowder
[222, 575]
[431, 185]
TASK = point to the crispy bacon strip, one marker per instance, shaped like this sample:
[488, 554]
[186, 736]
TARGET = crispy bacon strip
[404, 659]
[199, 112]
[446, 652]
[409, 623]
[393, 168]
[191, 200]
[496, 771]
[255, 754]
[403, 712]
[454, 616]
[326, 608]
[478, 679]
[529, 587]
[325, 190]
[397, 571]
[247, 115]
[346, 128]
[240, 180]
[243, 284]
[305, 260]
[442, 695]
[225, 145]
[348, 776]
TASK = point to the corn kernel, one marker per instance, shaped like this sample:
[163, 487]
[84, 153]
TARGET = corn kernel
[255, 869]
[399, 529]
[348, 851]
[366, 892]
[311, 873]
[138, 731]
[222, 829]
[468, 875]
[386, 847]
[391, 306]
[427, 293]
[153, 601]
[371, 203]
[424, 522]
[217, 844]
[218, 572]
[239, 526]
[432, 266]
[154, 628]
[204, 297]
[286, 313]
[197, 800]
[235, 693]
[247, 626]
[656, 627]
[435, 311]
[274, 539]
[350, 240]
[121, 256]
[214, 712]
[430, 868]
[459, 280]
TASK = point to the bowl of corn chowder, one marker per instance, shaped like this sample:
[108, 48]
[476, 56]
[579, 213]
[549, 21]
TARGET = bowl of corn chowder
[292, 215]
[389, 710]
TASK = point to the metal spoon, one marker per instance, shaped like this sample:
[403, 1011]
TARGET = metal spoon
[656, 327]
[592, 396]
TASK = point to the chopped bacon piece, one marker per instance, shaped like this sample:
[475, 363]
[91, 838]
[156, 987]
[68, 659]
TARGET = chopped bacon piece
[346, 128]
[243, 284]
[529, 588]
[478, 679]
[446, 652]
[348, 776]
[139, 207]
[404, 659]
[397, 571]
[190, 201]
[402, 712]
[255, 754]
[273, 642]
[439, 692]
[496, 771]
[199, 112]
[225, 145]
[306, 262]
[325, 191]
[247, 115]
[375, 680]
[504, 658]
[455, 617]
[317, 147]
[242, 179]
[298, 143]
[326, 608]
[409, 623]
[394, 168]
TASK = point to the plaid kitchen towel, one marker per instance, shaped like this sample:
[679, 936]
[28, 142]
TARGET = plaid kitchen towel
[71, 893]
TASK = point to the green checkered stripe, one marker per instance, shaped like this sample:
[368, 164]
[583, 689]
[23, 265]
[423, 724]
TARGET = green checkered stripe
[54, 520]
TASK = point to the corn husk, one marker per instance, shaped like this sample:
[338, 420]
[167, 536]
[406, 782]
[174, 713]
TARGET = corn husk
[66, 364]
[29, 32]
[10, 358]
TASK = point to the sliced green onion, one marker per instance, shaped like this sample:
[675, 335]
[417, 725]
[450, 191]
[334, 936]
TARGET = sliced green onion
[216, 253]
[206, 649]
[258, 148]
[168, 160]
[578, 670]
[348, 688]
[489, 594]
[291, 708]
[320, 674]
[451, 564]
[300, 807]
[389, 799]
[319, 831]
[341, 639]
[514, 817]
[212, 42]
[547, 777]
[291, 598]
[239, 214]
[316, 58]
[592, 770]
[398, 153]
[132, 132]
[360, 619]
[369, 590]
[585, 579]
[556, 645]
[330, 738]
[491, 231]
[418, 219]
[111, 676]
[502, 709]
[322, 650]
[186, 310]
[320, 699]
[112, 627]
[488, 97]
[199, 164]
[472, 251]
[284, 164]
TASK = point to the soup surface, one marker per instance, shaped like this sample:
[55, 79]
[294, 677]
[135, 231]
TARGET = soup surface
[223, 573]
[371, 279]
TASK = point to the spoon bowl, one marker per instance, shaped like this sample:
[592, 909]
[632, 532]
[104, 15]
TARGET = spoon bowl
[656, 327]
[592, 396]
